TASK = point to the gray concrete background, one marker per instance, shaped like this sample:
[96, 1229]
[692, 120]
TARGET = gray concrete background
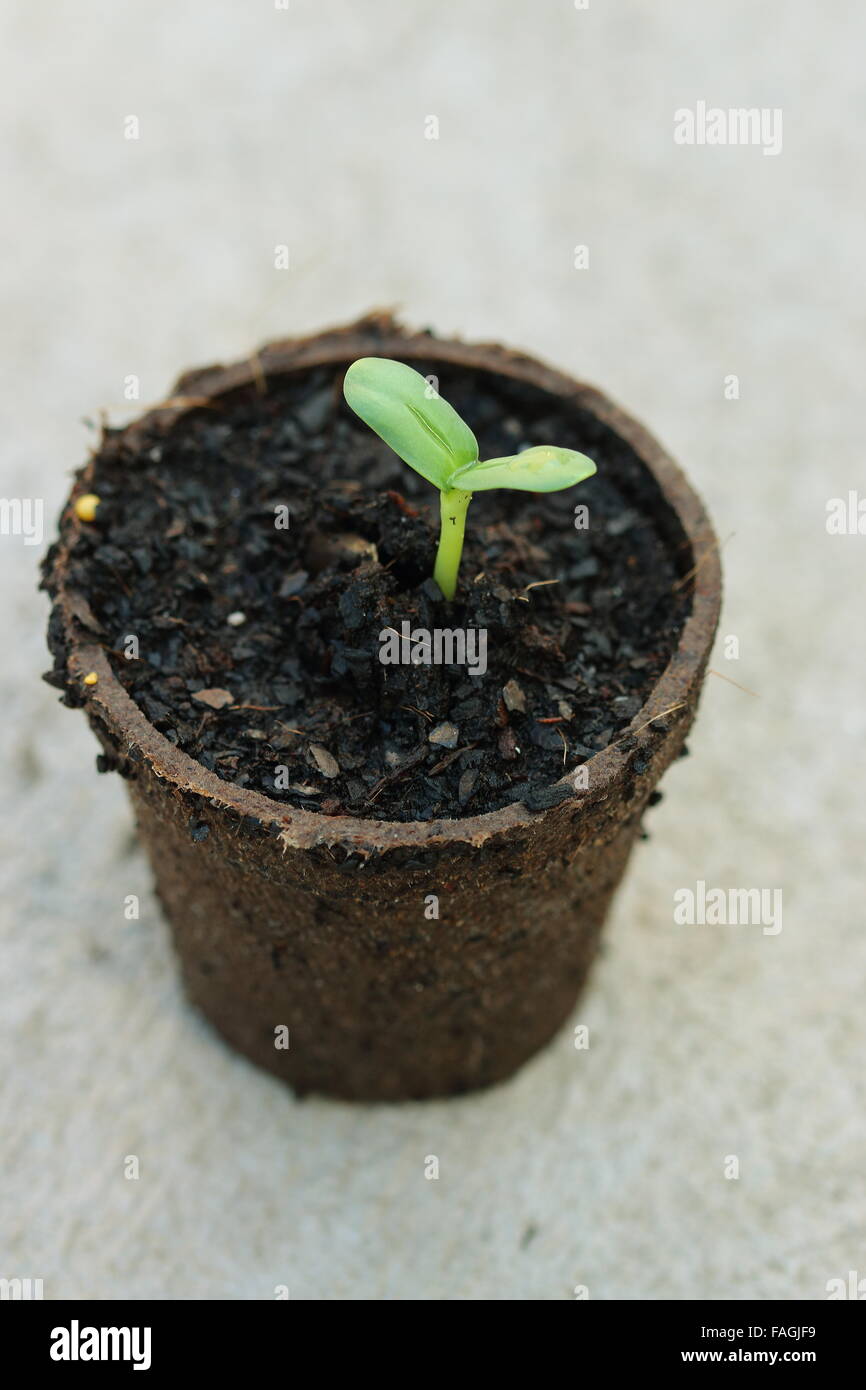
[603, 1168]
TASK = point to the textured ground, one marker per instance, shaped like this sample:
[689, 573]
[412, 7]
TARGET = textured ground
[258, 127]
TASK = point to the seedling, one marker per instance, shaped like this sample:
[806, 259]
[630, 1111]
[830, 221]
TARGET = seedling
[405, 410]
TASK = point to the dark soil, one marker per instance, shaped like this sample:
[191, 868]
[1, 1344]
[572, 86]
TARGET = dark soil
[258, 647]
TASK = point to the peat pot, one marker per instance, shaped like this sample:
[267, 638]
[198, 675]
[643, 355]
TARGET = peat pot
[301, 928]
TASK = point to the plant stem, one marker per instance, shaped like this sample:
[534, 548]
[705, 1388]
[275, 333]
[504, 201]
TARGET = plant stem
[453, 506]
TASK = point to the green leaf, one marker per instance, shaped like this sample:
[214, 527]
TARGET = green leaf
[404, 410]
[542, 469]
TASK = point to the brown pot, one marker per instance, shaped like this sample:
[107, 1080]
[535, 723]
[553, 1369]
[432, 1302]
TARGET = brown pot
[286, 918]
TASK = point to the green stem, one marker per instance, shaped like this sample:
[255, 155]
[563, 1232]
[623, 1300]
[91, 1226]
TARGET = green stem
[453, 506]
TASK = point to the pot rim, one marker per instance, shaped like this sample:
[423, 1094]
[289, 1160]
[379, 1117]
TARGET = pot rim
[378, 333]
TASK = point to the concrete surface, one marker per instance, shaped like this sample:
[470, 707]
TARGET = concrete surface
[603, 1168]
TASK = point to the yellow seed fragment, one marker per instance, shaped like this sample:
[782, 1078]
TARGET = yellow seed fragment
[85, 506]
[91, 678]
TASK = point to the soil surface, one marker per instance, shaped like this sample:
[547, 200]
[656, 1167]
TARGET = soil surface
[256, 550]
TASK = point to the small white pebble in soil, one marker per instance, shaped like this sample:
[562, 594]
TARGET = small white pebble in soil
[514, 697]
[325, 761]
[214, 696]
[467, 785]
[236, 619]
[446, 735]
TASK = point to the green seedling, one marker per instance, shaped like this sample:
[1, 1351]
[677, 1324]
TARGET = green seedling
[405, 410]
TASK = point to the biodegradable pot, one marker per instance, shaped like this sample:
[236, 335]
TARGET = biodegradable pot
[313, 923]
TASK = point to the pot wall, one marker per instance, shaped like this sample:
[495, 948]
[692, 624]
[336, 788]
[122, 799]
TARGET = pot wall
[381, 1001]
